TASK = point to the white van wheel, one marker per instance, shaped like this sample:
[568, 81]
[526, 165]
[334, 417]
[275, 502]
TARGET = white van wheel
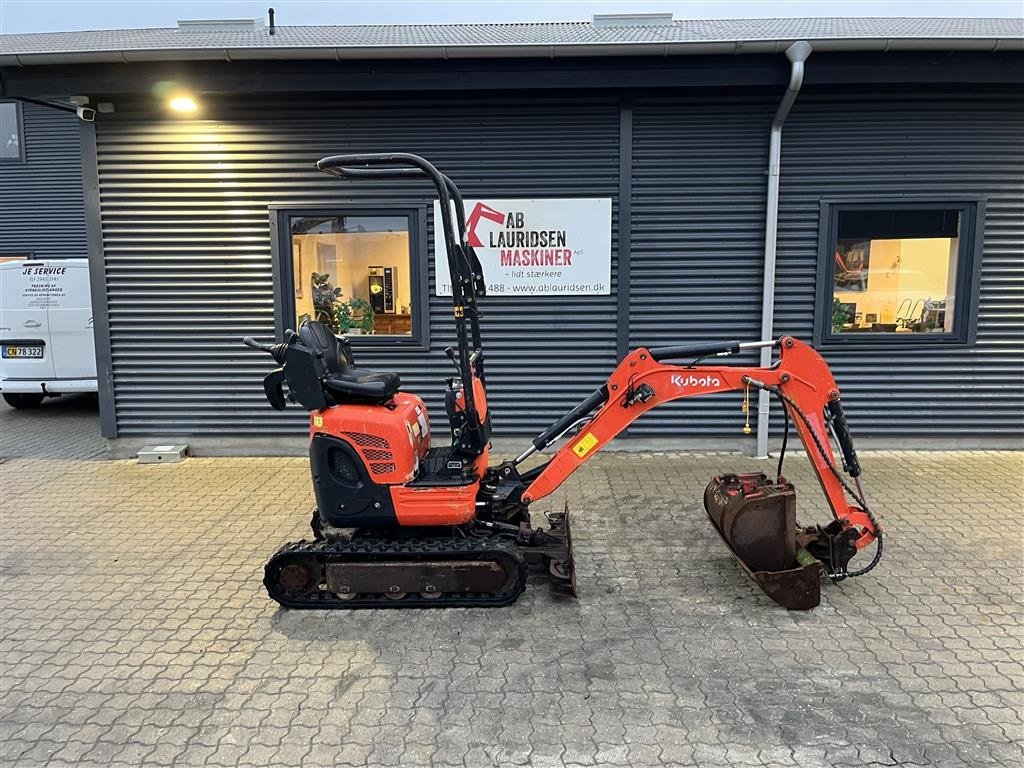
[23, 399]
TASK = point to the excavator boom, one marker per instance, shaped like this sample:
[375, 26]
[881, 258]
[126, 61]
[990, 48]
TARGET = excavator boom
[753, 514]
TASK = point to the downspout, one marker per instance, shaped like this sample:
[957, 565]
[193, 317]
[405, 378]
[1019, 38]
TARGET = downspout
[797, 54]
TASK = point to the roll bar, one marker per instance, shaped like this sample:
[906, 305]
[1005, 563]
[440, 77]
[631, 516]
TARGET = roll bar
[460, 231]
[405, 173]
[463, 264]
[404, 165]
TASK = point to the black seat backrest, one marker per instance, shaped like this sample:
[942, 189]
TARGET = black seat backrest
[337, 355]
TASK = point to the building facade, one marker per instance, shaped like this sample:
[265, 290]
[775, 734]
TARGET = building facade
[900, 248]
[42, 213]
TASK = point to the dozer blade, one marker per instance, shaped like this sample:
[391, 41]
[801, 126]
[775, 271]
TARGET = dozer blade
[562, 566]
[550, 549]
[756, 519]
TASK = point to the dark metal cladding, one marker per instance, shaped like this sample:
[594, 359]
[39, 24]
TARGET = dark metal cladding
[697, 250]
[944, 145]
[43, 211]
[188, 264]
[756, 519]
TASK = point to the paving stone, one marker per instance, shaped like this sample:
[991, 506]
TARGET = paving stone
[134, 629]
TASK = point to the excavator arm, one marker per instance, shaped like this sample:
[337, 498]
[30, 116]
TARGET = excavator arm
[645, 379]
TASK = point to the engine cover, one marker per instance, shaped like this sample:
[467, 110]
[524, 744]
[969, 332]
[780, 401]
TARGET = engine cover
[357, 452]
[390, 439]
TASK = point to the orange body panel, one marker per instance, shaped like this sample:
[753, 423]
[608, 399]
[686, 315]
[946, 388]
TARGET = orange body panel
[450, 505]
[453, 505]
[390, 440]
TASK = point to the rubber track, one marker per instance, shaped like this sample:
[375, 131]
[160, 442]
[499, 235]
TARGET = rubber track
[377, 550]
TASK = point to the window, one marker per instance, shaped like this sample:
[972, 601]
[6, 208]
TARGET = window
[11, 145]
[360, 272]
[897, 271]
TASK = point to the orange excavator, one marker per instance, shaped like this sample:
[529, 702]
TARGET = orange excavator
[401, 522]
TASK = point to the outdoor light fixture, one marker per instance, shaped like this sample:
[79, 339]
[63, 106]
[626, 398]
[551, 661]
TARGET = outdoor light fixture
[183, 104]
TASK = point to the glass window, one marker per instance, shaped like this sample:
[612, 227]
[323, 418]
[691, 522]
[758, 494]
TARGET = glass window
[897, 270]
[11, 145]
[353, 273]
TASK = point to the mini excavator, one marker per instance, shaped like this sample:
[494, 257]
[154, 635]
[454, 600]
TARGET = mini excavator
[401, 523]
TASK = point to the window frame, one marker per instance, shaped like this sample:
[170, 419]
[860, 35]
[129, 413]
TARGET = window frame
[20, 119]
[419, 291]
[968, 272]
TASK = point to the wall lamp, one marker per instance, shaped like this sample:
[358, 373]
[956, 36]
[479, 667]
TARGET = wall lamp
[183, 104]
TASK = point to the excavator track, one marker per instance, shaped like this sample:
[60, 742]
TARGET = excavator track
[436, 572]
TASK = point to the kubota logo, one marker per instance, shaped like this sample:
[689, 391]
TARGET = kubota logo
[695, 381]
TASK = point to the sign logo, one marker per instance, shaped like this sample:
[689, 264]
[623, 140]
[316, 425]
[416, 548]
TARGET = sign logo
[481, 210]
[695, 381]
[535, 247]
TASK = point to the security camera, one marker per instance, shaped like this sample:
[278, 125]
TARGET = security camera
[86, 113]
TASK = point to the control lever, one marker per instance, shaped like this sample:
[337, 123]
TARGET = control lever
[276, 351]
[450, 352]
[249, 341]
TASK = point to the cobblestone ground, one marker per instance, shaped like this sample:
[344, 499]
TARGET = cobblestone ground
[135, 630]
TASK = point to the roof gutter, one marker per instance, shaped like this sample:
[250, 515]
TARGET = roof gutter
[797, 54]
[339, 53]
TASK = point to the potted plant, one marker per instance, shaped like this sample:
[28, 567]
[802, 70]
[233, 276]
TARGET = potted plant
[355, 316]
[325, 299]
[840, 316]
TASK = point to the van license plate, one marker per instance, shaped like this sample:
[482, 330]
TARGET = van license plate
[33, 351]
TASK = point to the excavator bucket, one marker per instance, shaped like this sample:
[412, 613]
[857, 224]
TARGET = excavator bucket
[756, 518]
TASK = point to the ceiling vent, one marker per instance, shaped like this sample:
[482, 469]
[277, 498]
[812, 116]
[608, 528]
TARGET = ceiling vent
[632, 19]
[220, 25]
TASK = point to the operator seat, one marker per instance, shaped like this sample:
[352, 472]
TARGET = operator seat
[345, 382]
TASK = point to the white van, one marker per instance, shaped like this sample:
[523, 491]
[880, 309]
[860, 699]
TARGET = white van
[46, 338]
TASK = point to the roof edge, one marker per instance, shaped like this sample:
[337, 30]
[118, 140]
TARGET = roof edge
[339, 53]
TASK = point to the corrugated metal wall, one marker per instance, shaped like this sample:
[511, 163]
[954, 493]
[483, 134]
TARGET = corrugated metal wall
[698, 238]
[188, 259]
[697, 247]
[43, 210]
[921, 146]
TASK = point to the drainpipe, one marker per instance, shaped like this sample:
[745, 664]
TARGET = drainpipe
[797, 54]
